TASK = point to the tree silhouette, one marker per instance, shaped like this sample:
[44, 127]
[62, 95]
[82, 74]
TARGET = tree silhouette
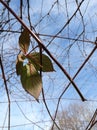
[72, 118]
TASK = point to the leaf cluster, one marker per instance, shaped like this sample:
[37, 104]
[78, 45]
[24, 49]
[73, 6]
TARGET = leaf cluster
[29, 72]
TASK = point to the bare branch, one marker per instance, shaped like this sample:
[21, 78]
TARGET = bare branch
[7, 92]
[47, 51]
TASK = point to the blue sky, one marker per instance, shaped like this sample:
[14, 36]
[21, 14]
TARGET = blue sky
[71, 58]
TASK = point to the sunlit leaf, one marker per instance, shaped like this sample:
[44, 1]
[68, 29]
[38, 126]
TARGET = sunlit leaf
[32, 83]
[46, 66]
[28, 70]
[24, 41]
[19, 64]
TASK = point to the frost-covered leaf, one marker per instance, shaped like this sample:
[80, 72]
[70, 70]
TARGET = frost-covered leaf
[24, 41]
[32, 83]
[46, 66]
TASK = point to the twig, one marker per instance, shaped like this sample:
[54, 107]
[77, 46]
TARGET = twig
[7, 92]
[74, 78]
[92, 121]
[40, 49]
[67, 38]
[47, 51]
[32, 122]
[67, 23]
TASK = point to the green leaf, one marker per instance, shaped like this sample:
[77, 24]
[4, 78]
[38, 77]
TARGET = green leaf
[32, 83]
[24, 41]
[19, 64]
[28, 70]
[46, 66]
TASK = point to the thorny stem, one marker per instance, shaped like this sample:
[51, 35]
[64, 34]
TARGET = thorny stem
[47, 51]
[7, 92]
